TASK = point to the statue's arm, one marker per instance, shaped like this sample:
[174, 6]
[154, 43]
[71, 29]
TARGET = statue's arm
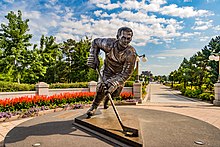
[100, 44]
[97, 44]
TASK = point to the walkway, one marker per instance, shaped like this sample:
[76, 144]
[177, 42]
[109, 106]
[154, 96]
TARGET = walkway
[161, 98]
[164, 99]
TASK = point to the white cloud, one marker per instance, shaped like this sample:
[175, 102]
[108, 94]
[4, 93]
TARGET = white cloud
[161, 57]
[204, 39]
[184, 40]
[98, 13]
[183, 12]
[153, 6]
[217, 28]
[99, 1]
[61, 36]
[159, 2]
[202, 24]
[147, 27]
[187, 35]
[32, 14]
[108, 6]
[187, 52]
[131, 5]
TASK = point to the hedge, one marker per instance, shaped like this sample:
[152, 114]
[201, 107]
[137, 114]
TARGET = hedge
[12, 87]
[69, 85]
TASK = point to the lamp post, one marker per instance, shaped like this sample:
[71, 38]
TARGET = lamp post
[137, 86]
[144, 59]
[216, 57]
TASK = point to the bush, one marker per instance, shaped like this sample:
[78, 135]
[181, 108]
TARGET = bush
[129, 83]
[69, 85]
[206, 96]
[178, 86]
[12, 87]
[192, 93]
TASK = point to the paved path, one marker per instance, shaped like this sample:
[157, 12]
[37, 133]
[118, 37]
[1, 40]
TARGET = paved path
[161, 98]
[164, 99]
[163, 94]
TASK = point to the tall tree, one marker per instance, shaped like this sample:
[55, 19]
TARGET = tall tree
[34, 66]
[14, 44]
[75, 54]
[50, 55]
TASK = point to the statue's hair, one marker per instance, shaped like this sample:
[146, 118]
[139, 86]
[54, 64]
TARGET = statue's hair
[126, 29]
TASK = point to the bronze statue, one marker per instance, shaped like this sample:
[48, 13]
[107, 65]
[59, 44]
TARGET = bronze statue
[119, 64]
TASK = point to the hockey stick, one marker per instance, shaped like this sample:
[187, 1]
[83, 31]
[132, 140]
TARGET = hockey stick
[127, 130]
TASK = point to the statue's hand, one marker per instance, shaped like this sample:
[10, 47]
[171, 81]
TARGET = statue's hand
[110, 87]
[93, 61]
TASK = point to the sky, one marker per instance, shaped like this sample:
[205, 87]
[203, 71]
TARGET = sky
[165, 31]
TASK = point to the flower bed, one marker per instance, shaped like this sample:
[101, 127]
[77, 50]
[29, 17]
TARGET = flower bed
[25, 102]
[31, 106]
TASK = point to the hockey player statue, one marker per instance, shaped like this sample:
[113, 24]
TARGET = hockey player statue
[118, 66]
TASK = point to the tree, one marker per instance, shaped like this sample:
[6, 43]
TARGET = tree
[50, 55]
[34, 66]
[74, 67]
[196, 69]
[14, 42]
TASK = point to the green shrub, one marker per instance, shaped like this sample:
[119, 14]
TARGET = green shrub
[207, 96]
[12, 87]
[177, 86]
[69, 85]
[192, 93]
[129, 83]
[144, 92]
[183, 90]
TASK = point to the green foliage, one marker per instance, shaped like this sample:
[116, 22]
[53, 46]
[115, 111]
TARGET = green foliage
[14, 42]
[206, 96]
[50, 55]
[134, 75]
[193, 93]
[51, 62]
[69, 85]
[75, 55]
[144, 92]
[195, 72]
[12, 87]
[178, 86]
[129, 83]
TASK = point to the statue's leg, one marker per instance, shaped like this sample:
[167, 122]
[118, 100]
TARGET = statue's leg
[116, 93]
[97, 100]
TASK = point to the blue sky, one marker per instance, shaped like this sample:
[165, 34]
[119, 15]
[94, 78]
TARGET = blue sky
[165, 31]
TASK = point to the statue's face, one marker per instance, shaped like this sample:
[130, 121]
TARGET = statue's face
[125, 38]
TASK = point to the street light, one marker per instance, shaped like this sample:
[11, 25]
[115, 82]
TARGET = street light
[144, 59]
[216, 57]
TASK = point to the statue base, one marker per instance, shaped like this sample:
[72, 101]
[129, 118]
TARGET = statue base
[106, 125]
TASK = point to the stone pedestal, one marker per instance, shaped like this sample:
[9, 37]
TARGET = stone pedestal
[42, 89]
[216, 102]
[137, 91]
[92, 86]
